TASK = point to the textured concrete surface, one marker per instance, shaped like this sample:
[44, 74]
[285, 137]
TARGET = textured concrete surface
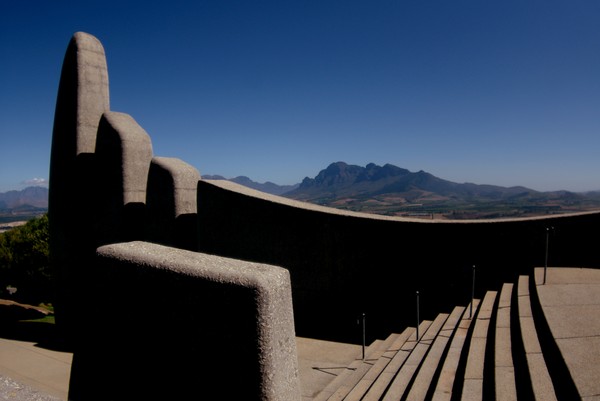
[570, 301]
[177, 179]
[473, 379]
[243, 310]
[171, 203]
[504, 368]
[427, 371]
[319, 362]
[474, 368]
[13, 390]
[541, 383]
[124, 153]
[30, 372]
[83, 96]
[405, 375]
[443, 391]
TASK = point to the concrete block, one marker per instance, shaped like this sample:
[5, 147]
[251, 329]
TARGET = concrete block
[123, 155]
[190, 324]
[171, 203]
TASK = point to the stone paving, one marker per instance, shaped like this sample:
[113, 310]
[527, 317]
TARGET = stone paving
[15, 391]
[568, 314]
[31, 372]
[570, 301]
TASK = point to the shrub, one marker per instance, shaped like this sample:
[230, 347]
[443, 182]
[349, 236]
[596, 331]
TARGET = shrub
[24, 262]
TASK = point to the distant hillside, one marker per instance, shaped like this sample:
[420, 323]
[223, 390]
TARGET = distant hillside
[34, 197]
[267, 187]
[388, 190]
[393, 190]
[23, 205]
[342, 180]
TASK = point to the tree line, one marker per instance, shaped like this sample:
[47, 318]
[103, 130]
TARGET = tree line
[25, 273]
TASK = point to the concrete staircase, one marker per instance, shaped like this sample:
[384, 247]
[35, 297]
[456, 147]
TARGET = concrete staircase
[492, 350]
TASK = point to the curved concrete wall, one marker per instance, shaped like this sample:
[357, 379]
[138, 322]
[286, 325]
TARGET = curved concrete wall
[344, 263]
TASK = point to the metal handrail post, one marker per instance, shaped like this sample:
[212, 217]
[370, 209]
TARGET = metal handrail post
[546, 256]
[418, 319]
[472, 294]
[364, 336]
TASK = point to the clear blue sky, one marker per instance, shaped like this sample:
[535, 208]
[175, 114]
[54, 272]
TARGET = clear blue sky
[490, 92]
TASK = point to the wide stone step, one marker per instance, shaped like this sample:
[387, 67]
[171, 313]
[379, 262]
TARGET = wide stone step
[383, 380]
[473, 379]
[369, 378]
[333, 386]
[494, 342]
[407, 368]
[504, 369]
[403, 378]
[362, 367]
[541, 383]
[446, 379]
[424, 379]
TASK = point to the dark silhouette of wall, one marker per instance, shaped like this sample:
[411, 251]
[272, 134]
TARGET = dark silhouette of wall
[343, 264]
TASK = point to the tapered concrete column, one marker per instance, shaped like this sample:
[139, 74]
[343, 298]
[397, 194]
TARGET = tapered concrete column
[82, 99]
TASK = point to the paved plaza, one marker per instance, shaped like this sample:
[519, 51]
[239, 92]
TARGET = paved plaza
[570, 299]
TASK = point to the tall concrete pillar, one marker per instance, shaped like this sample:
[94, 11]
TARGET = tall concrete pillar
[82, 99]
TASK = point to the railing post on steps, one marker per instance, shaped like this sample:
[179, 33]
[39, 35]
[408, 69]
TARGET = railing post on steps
[472, 294]
[364, 336]
[418, 319]
[546, 256]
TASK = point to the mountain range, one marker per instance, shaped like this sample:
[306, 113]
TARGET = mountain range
[392, 190]
[340, 180]
[267, 187]
[30, 197]
[386, 189]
